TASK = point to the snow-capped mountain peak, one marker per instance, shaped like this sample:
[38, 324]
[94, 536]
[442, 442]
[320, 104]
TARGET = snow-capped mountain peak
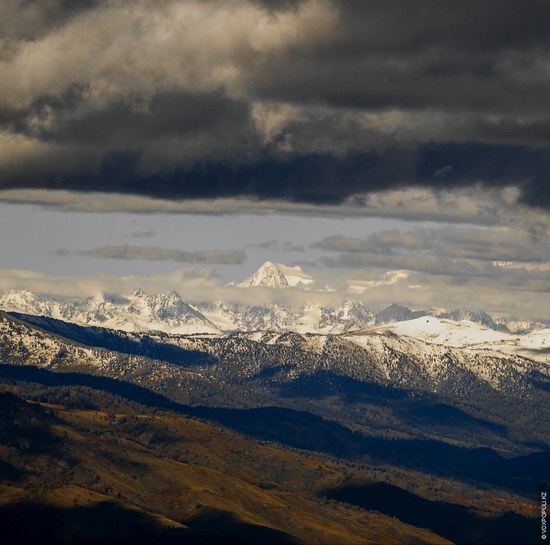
[275, 275]
[350, 316]
[20, 298]
[476, 316]
[168, 308]
[352, 309]
[97, 300]
[138, 293]
[398, 313]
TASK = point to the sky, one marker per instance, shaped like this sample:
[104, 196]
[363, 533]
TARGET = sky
[397, 151]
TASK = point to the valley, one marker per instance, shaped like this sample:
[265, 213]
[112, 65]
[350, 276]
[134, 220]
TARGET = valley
[309, 419]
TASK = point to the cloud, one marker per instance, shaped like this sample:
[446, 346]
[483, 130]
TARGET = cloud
[428, 264]
[279, 246]
[145, 233]
[472, 205]
[185, 281]
[380, 242]
[310, 101]
[510, 244]
[420, 290]
[153, 253]
[458, 271]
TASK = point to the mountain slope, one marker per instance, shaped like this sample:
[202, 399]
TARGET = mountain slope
[333, 376]
[469, 334]
[127, 476]
[379, 356]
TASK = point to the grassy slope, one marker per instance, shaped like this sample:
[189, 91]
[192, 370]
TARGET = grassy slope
[175, 475]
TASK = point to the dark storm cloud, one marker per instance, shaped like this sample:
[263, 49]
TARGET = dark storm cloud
[33, 18]
[305, 101]
[488, 56]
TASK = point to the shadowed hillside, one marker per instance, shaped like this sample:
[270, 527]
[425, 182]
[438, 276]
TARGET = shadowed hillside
[455, 522]
[300, 429]
[125, 476]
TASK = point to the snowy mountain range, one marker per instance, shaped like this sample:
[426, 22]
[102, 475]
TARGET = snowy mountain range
[139, 311]
[167, 312]
[310, 318]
